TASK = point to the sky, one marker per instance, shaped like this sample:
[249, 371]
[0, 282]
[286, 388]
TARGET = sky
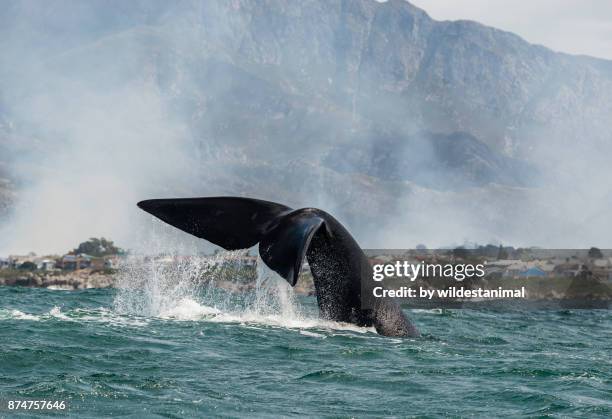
[571, 26]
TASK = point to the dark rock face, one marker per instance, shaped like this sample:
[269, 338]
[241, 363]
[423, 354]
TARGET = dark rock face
[72, 280]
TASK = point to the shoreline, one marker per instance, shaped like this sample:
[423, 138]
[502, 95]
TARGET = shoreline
[80, 279]
[95, 278]
[90, 278]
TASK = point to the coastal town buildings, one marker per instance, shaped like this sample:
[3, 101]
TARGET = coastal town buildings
[553, 266]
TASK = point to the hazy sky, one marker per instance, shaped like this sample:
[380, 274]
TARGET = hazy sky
[572, 26]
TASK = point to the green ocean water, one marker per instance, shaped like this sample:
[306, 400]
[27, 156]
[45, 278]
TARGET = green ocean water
[203, 353]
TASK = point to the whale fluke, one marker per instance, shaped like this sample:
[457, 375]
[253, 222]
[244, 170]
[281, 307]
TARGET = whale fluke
[341, 272]
[284, 247]
[230, 222]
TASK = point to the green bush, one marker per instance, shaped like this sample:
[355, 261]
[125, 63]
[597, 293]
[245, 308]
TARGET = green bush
[27, 266]
[98, 248]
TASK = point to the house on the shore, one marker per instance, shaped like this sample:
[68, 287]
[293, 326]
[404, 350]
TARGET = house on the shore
[97, 263]
[504, 263]
[515, 269]
[547, 267]
[75, 262]
[45, 264]
[534, 271]
[569, 270]
[15, 261]
[112, 262]
[71, 262]
[601, 267]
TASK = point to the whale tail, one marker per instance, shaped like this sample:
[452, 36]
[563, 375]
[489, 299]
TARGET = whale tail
[285, 238]
[239, 223]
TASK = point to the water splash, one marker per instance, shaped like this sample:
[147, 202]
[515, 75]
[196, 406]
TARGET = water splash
[273, 295]
[188, 287]
[227, 287]
[153, 285]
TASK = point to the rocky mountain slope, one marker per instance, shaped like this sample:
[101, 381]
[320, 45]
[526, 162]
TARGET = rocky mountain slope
[369, 101]
[345, 63]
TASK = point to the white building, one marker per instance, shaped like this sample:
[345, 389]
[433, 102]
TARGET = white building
[45, 264]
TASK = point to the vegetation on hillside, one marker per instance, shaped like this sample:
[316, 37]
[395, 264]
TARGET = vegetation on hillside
[98, 248]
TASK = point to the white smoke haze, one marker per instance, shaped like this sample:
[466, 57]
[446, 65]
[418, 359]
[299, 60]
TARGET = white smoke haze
[110, 150]
[111, 113]
[104, 138]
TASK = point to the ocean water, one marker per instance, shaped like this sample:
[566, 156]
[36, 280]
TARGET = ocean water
[166, 346]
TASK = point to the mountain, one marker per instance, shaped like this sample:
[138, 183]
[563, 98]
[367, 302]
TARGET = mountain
[362, 62]
[369, 101]
[5, 184]
[440, 161]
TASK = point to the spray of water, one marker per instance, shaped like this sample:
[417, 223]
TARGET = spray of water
[225, 287]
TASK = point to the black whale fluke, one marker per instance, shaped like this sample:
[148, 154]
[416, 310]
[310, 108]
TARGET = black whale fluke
[232, 223]
[285, 238]
[284, 247]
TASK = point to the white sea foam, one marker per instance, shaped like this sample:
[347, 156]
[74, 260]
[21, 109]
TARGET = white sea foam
[428, 310]
[57, 313]
[189, 309]
[183, 289]
[312, 334]
[17, 315]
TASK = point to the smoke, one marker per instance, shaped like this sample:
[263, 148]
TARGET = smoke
[109, 103]
[112, 109]
[99, 136]
[103, 152]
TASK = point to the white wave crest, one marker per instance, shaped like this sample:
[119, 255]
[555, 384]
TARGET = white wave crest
[189, 309]
[17, 315]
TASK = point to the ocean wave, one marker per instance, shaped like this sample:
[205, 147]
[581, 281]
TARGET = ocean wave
[6, 314]
[60, 288]
[187, 309]
[101, 315]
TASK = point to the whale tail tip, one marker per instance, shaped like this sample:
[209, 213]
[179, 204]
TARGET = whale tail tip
[239, 223]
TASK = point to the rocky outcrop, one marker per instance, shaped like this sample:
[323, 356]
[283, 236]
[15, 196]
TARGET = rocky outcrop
[81, 279]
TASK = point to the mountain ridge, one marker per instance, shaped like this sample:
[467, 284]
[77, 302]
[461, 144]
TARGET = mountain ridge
[241, 88]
